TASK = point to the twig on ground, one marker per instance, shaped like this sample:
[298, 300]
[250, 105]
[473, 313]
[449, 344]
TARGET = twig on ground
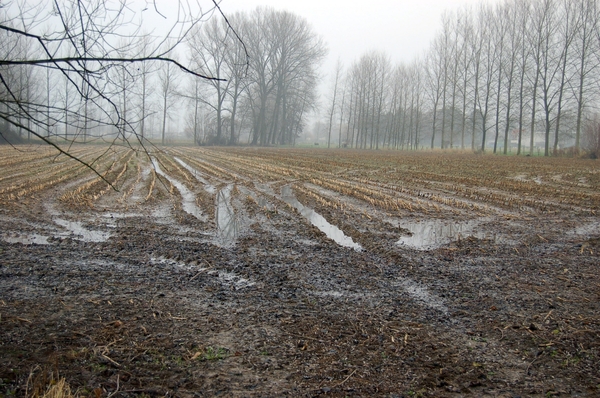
[116, 391]
[346, 379]
[111, 360]
[501, 333]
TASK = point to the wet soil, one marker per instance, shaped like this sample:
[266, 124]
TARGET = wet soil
[138, 297]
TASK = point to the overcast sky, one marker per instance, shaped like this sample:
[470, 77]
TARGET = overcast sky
[401, 28]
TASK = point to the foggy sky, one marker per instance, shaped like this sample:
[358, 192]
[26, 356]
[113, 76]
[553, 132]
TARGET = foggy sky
[403, 29]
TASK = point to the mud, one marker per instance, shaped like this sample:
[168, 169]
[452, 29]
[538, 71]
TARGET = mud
[153, 303]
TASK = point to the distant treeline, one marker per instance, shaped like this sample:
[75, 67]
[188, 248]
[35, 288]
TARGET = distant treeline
[517, 76]
[513, 76]
[86, 72]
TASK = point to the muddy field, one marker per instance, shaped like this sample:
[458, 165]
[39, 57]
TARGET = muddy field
[264, 272]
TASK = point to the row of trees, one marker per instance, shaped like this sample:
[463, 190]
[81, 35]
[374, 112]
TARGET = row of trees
[75, 69]
[86, 70]
[519, 74]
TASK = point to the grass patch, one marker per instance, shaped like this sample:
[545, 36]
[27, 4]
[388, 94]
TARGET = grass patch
[214, 354]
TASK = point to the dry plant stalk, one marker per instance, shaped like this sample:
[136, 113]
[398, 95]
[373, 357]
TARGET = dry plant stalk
[129, 192]
[151, 189]
[59, 390]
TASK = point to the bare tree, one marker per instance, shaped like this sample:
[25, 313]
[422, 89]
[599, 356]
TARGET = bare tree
[209, 50]
[586, 42]
[238, 64]
[168, 75]
[490, 50]
[332, 109]
[568, 30]
[464, 62]
[591, 138]
[395, 107]
[342, 108]
[500, 31]
[435, 78]
[523, 22]
[552, 54]
[416, 85]
[446, 50]
[282, 77]
[456, 53]
[476, 52]
[82, 47]
[349, 88]
[123, 81]
[144, 87]
[510, 13]
[507, 63]
[195, 121]
[370, 77]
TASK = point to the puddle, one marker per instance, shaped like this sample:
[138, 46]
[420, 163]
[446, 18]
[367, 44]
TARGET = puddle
[427, 235]
[138, 195]
[76, 229]
[207, 185]
[80, 232]
[188, 198]
[332, 232]
[26, 239]
[265, 188]
[227, 224]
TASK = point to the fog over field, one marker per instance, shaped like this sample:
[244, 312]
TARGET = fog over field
[509, 77]
[403, 29]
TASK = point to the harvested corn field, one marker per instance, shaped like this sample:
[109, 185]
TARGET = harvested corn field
[292, 272]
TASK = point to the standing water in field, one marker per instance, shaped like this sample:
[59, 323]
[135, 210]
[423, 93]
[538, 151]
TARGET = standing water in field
[75, 229]
[208, 187]
[187, 196]
[26, 239]
[80, 232]
[332, 232]
[431, 234]
[227, 224]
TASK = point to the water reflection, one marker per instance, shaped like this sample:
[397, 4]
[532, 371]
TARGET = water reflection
[431, 234]
[208, 187]
[82, 233]
[188, 198]
[26, 239]
[227, 224]
[331, 231]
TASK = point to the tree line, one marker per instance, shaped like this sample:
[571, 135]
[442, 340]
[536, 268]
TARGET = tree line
[519, 75]
[83, 71]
